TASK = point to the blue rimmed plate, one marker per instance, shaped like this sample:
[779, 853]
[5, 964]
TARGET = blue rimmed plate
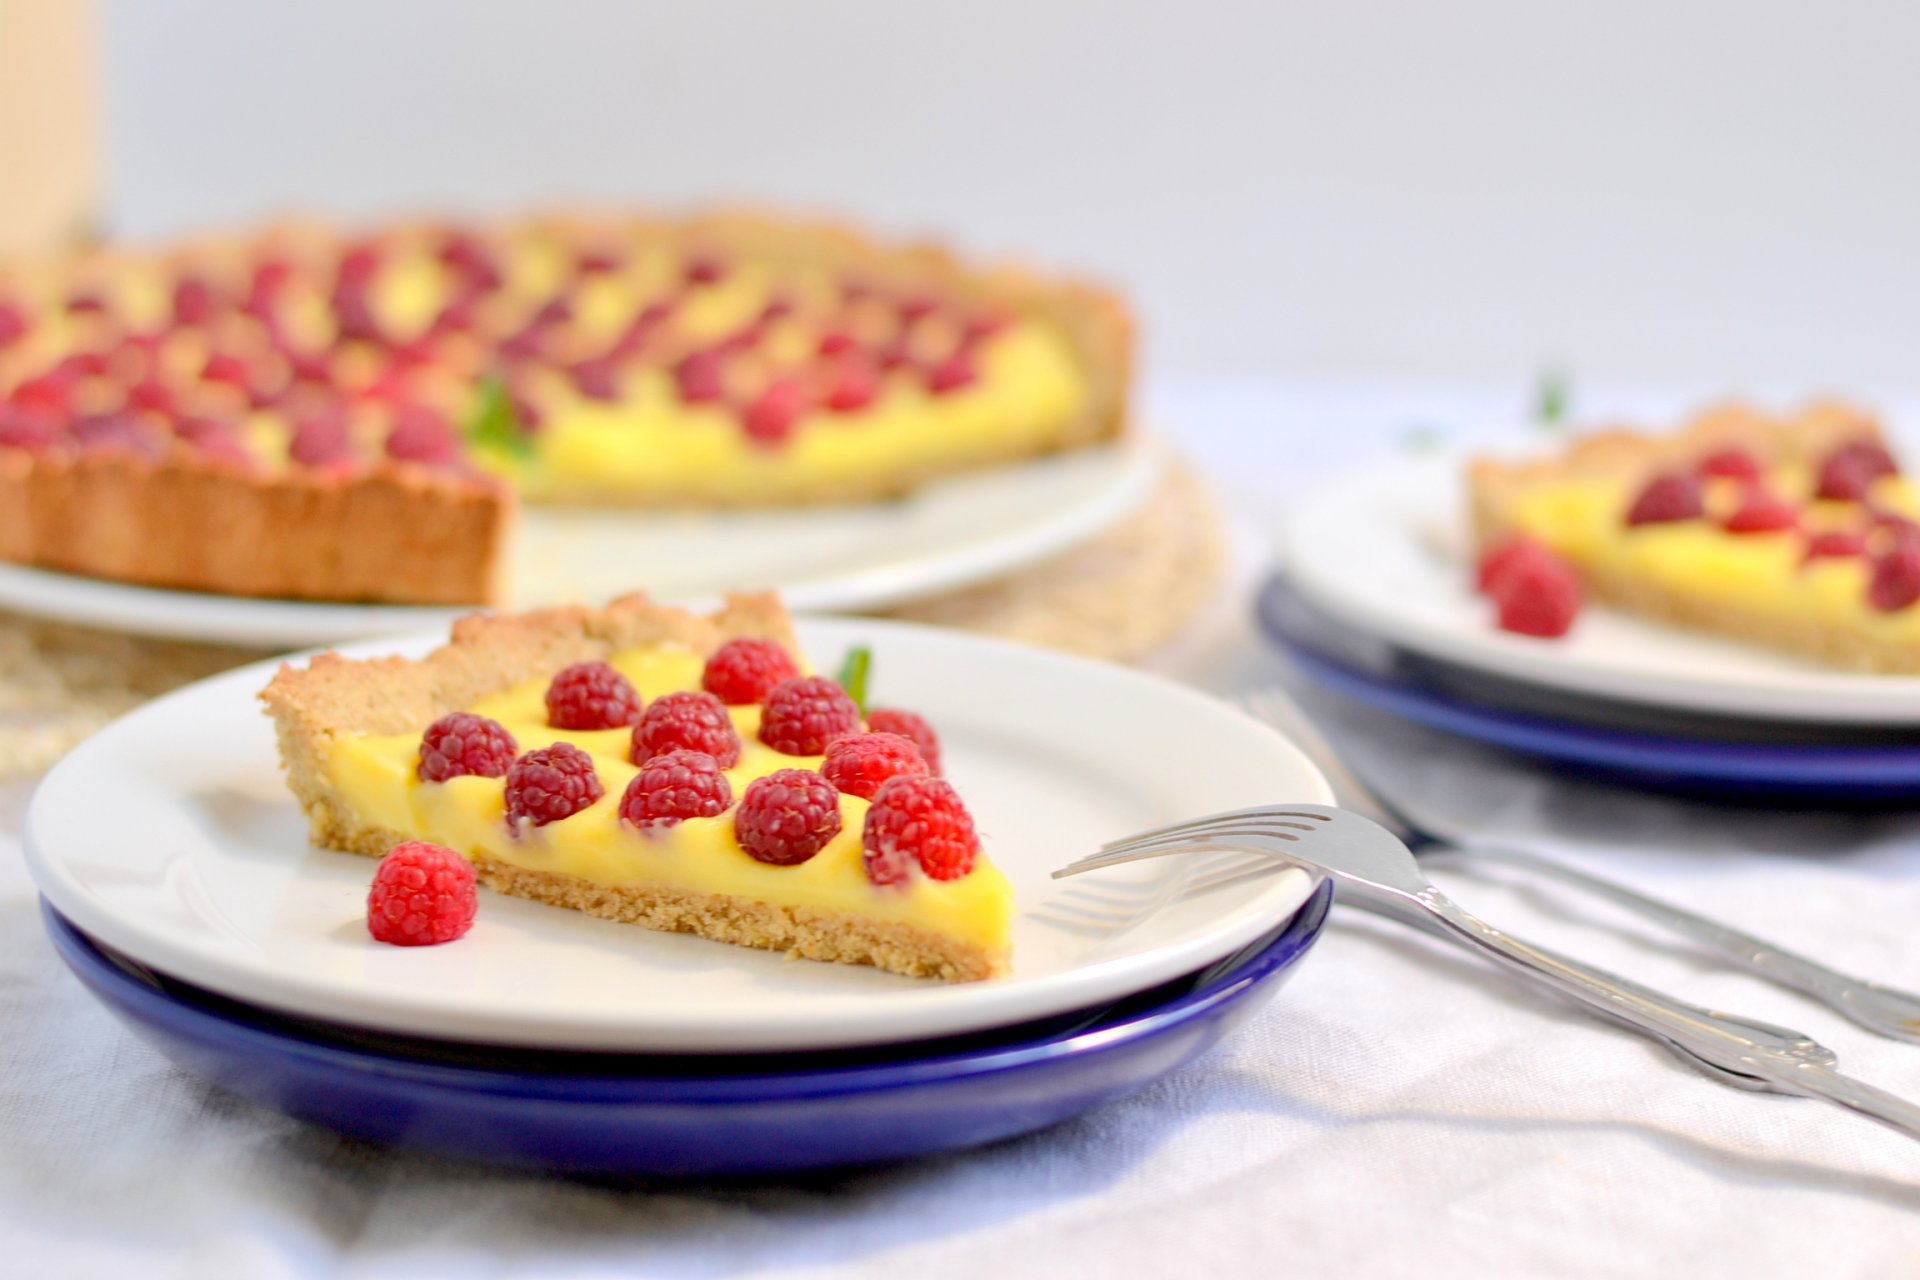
[1689, 753]
[687, 1116]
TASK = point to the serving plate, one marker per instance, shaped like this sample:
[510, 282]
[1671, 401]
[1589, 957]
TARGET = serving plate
[680, 1117]
[1385, 551]
[171, 837]
[835, 558]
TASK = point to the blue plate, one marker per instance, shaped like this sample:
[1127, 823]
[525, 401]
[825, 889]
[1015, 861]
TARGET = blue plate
[1689, 754]
[685, 1116]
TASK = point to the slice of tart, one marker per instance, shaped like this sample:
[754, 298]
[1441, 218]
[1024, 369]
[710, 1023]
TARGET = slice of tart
[658, 767]
[1798, 533]
[283, 412]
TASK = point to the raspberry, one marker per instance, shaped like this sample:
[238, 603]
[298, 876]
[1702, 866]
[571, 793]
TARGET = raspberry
[1836, 543]
[1732, 464]
[1504, 556]
[219, 441]
[744, 671]
[321, 439]
[597, 379]
[956, 371]
[801, 716]
[13, 324]
[1538, 595]
[787, 816]
[1762, 512]
[551, 783]
[704, 268]
[193, 301]
[24, 427]
[421, 435]
[918, 821]
[672, 787]
[835, 342]
[1896, 577]
[686, 721]
[422, 894]
[592, 695]
[770, 419]
[462, 745]
[858, 763]
[851, 387]
[701, 377]
[1674, 495]
[913, 727]
[1849, 471]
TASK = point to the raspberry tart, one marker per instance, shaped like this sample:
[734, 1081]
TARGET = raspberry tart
[579, 758]
[1799, 533]
[305, 413]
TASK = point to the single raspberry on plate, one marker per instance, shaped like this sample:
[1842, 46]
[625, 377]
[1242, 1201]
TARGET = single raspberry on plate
[1835, 544]
[787, 816]
[918, 822]
[912, 726]
[1849, 471]
[551, 783]
[686, 721]
[1732, 464]
[1674, 495]
[1536, 595]
[422, 894]
[592, 695]
[672, 787]
[858, 763]
[801, 716]
[1762, 512]
[1896, 577]
[462, 745]
[1500, 558]
[744, 671]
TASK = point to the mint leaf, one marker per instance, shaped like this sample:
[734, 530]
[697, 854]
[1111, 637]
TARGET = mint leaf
[493, 426]
[853, 675]
[1550, 403]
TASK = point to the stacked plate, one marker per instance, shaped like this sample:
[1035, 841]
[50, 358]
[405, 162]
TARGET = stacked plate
[1374, 600]
[181, 889]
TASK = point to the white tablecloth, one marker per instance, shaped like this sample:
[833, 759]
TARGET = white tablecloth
[1398, 1110]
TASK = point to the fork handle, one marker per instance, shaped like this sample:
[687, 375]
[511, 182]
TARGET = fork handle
[1695, 1030]
[1886, 1010]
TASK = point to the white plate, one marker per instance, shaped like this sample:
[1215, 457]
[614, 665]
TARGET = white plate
[823, 559]
[171, 837]
[1385, 551]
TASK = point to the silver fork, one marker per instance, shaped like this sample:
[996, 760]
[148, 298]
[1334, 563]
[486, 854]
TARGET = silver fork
[1885, 1010]
[1369, 864]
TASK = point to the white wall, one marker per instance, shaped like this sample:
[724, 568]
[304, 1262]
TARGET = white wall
[1717, 192]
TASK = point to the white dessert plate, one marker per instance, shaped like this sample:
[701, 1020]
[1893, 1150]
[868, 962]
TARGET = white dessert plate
[171, 837]
[948, 535]
[1386, 552]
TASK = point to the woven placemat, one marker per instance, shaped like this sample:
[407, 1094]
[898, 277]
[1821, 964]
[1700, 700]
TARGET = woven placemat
[1118, 596]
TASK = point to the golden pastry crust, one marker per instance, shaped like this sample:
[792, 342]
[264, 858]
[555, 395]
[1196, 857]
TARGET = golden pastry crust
[361, 539]
[1495, 487]
[401, 534]
[333, 697]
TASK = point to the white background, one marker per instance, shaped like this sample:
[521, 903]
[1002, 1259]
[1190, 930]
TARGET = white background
[1714, 193]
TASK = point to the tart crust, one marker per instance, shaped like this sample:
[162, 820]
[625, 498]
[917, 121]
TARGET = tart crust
[402, 534]
[334, 697]
[1495, 487]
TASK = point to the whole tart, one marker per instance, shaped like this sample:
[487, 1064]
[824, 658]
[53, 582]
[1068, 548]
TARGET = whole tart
[355, 739]
[1794, 532]
[310, 413]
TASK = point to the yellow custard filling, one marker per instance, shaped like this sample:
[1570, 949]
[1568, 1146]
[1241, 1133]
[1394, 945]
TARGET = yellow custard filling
[378, 774]
[1585, 521]
[1030, 394]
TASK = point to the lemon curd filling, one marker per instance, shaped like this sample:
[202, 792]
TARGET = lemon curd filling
[1030, 394]
[1585, 520]
[378, 773]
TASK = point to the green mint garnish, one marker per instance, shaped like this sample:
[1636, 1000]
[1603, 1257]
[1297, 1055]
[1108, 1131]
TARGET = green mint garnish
[1550, 404]
[494, 427]
[853, 675]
